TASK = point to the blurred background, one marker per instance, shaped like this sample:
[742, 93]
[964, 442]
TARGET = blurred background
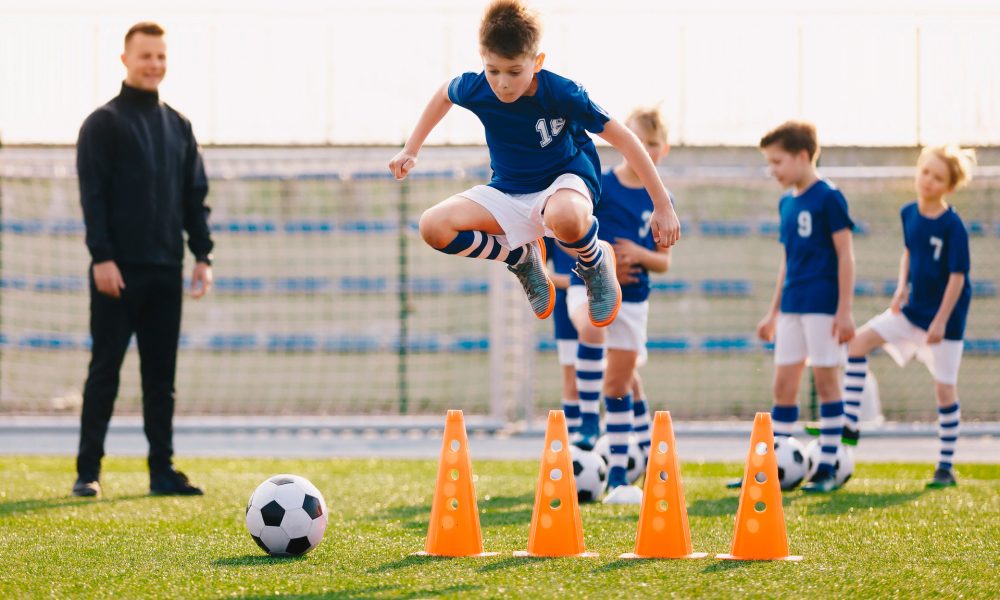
[327, 303]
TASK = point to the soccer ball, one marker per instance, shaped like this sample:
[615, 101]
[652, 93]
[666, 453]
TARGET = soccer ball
[844, 467]
[286, 516]
[791, 462]
[591, 474]
[636, 463]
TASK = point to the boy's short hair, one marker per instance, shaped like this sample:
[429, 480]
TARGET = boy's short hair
[510, 29]
[794, 137]
[146, 27]
[960, 162]
[651, 120]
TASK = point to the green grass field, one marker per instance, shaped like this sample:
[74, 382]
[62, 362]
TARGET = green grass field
[883, 535]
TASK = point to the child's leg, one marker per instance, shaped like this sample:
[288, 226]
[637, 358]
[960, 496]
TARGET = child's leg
[571, 399]
[866, 340]
[618, 404]
[462, 227]
[831, 416]
[785, 410]
[589, 371]
[949, 421]
[640, 413]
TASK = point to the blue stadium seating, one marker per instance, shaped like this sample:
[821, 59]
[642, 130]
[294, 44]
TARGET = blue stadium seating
[726, 287]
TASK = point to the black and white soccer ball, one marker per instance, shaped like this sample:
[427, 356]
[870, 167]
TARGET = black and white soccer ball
[591, 474]
[636, 462]
[286, 515]
[843, 467]
[791, 461]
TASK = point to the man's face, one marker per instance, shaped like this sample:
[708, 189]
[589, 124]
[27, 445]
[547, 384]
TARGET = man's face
[787, 168]
[145, 60]
[510, 78]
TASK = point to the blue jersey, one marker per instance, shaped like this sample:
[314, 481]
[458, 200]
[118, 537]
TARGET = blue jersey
[625, 212]
[562, 264]
[938, 247]
[808, 222]
[535, 139]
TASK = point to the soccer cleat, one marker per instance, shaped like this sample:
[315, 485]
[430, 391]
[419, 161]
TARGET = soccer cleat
[942, 478]
[735, 484]
[534, 278]
[87, 489]
[624, 494]
[604, 295]
[822, 482]
[849, 436]
[172, 483]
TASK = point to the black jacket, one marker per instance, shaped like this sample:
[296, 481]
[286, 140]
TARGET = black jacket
[142, 183]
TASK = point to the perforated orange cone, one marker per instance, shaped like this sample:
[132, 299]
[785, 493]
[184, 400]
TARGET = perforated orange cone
[454, 526]
[556, 527]
[760, 519]
[663, 518]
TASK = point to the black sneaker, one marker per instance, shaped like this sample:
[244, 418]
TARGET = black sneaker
[172, 483]
[735, 484]
[942, 478]
[86, 488]
[823, 482]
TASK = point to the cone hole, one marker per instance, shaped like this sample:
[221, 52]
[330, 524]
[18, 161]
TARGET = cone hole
[760, 477]
[661, 506]
[555, 503]
[453, 474]
[453, 503]
[761, 448]
[663, 475]
[555, 474]
[455, 445]
[662, 447]
[556, 446]
[759, 507]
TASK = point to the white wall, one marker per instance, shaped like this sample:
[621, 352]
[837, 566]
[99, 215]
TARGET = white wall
[299, 71]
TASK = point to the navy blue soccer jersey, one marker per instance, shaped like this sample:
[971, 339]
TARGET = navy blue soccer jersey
[535, 139]
[562, 264]
[938, 247]
[625, 212]
[808, 222]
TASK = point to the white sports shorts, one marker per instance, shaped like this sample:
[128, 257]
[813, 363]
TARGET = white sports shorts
[520, 215]
[567, 352]
[627, 331]
[799, 336]
[904, 341]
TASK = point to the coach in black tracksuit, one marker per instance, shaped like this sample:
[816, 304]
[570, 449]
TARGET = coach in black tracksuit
[142, 185]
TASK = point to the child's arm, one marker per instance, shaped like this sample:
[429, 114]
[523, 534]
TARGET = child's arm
[627, 251]
[664, 224]
[765, 329]
[904, 276]
[436, 109]
[843, 320]
[560, 280]
[935, 333]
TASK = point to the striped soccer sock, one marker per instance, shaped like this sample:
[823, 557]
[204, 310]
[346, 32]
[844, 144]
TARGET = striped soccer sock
[949, 419]
[831, 428]
[854, 388]
[619, 423]
[641, 423]
[783, 420]
[587, 249]
[479, 244]
[571, 406]
[589, 379]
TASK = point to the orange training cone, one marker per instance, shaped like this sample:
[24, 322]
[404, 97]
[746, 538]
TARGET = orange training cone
[663, 518]
[556, 527]
[454, 527]
[760, 520]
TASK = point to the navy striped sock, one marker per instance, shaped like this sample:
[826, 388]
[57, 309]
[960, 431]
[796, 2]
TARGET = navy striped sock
[949, 420]
[587, 249]
[854, 388]
[571, 406]
[783, 420]
[589, 380]
[479, 244]
[831, 428]
[641, 423]
[619, 413]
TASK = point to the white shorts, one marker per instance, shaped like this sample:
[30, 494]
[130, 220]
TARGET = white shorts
[520, 215]
[800, 336]
[626, 332]
[567, 352]
[904, 340]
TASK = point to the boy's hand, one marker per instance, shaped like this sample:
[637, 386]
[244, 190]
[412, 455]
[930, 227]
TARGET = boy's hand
[843, 327]
[896, 306]
[935, 333]
[627, 273]
[627, 251]
[765, 329]
[666, 228]
[401, 164]
[108, 279]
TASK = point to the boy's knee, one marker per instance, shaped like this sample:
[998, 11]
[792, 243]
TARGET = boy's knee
[568, 214]
[434, 228]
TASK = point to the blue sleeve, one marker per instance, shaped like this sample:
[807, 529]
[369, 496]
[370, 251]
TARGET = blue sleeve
[576, 104]
[958, 248]
[458, 89]
[781, 224]
[836, 212]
